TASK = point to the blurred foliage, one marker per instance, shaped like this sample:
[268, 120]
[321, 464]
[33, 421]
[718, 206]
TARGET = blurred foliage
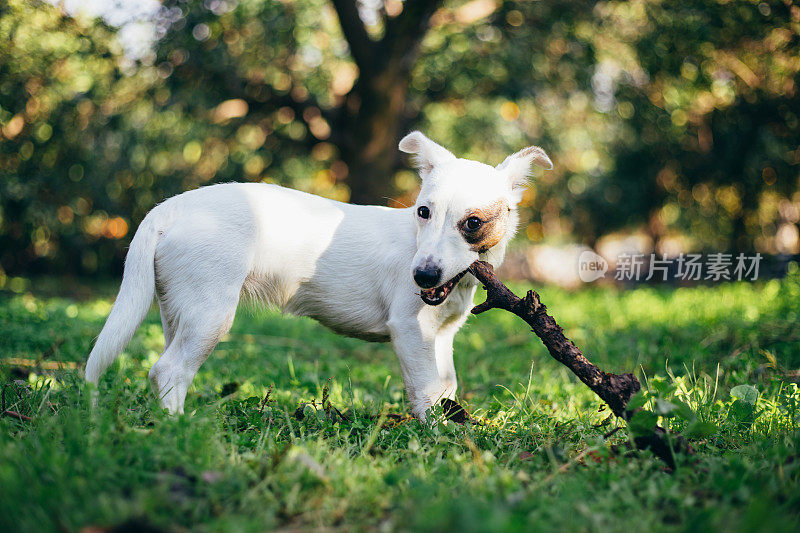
[679, 120]
[681, 117]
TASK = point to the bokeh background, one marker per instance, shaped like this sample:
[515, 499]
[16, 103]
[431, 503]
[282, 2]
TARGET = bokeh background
[672, 124]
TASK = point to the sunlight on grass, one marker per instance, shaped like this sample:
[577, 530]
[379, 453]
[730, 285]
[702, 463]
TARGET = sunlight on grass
[720, 366]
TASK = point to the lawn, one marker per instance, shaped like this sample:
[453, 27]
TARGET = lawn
[721, 365]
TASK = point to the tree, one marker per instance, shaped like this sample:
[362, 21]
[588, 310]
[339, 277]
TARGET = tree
[375, 113]
[679, 119]
[365, 124]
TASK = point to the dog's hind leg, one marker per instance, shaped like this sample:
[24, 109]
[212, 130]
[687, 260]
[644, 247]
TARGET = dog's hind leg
[197, 308]
[201, 267]
[167, 323]
[194, 339]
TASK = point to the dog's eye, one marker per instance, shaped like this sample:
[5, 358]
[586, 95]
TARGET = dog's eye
[424, 212]
[473, 223]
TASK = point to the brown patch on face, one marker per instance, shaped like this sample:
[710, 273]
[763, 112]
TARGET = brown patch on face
[494, 220]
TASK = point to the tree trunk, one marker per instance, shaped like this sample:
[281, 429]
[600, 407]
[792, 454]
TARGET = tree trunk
[374, 116]
[371, 136]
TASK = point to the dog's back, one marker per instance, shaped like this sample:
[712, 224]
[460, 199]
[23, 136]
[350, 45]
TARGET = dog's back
[307, 255]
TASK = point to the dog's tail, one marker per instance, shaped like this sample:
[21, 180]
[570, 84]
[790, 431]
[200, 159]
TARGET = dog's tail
[133, 301]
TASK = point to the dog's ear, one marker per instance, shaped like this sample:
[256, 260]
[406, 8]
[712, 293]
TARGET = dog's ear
[427, 154]
[517, 168]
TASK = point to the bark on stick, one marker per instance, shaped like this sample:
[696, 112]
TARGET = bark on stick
[614, 389]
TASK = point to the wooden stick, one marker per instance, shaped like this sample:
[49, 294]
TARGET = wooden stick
[614, 389]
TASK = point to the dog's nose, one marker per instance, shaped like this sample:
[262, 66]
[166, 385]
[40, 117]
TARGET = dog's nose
[428, 276]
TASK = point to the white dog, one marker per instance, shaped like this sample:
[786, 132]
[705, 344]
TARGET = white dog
[370, 272]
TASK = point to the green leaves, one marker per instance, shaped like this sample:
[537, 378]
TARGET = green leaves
[664, 403]
[746, 393]
[673, 408]
[742, 412]
[698, 429]
[642, 423]
[638, 400]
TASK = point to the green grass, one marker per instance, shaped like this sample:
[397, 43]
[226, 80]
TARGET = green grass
[540, 463]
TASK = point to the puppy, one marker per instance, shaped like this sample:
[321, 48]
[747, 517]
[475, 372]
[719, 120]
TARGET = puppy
[370, 272]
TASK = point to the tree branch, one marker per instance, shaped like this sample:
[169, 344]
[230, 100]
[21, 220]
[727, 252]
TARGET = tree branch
[361, 44]
[614, 389]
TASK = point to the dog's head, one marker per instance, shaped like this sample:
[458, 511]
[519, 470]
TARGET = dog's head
[464, 210]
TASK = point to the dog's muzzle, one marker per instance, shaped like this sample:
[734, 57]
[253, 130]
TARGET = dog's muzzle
[437, 295]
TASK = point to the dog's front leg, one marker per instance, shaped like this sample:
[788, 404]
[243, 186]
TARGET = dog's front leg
[416, 351]
[444, 361]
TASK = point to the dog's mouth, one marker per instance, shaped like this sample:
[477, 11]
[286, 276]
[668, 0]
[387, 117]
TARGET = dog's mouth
[437, 295]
